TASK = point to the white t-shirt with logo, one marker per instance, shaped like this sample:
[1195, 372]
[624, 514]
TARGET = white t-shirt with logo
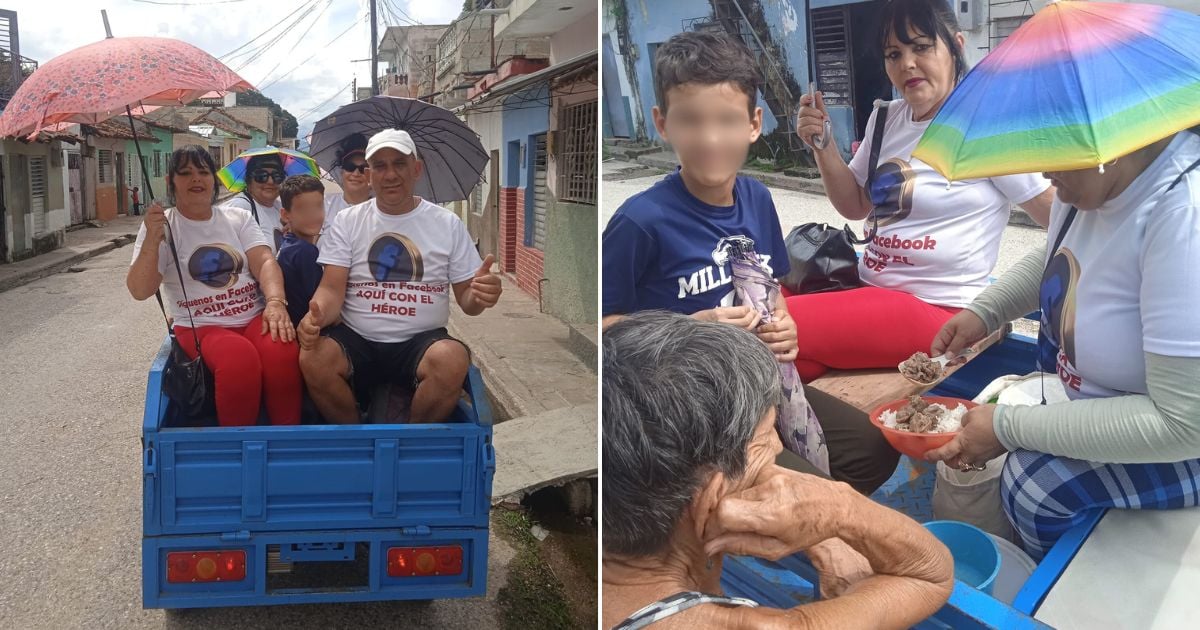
[401, 267]
[936, 243]
[1124, 280]
[334, 203]
[268, 219]
[220, 289]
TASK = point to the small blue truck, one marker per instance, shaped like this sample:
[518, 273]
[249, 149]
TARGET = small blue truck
[264, 515]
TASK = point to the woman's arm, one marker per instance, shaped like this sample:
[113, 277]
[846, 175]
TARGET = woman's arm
[913, 571]
[847, 197]
[1038, 208]
[1163, 426]
[265, 269]
[1014, 294]
[143, 278]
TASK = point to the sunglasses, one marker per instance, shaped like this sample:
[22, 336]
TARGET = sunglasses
[261, 176]
[351, 168]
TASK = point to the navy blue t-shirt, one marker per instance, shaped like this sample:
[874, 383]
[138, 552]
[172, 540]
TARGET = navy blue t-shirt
[301, 274]
[666, 249]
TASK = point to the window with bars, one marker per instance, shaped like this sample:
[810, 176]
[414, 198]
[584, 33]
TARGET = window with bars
[576, 154]
[38, 190]
[477, 199]
[835, 68]
[105, 159]
[158, 163]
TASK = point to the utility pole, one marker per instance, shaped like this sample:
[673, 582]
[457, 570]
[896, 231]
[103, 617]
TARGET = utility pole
[374, 53]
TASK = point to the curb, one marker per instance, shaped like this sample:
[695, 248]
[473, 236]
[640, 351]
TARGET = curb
[583, 347]
[41, 272]
[505, 402]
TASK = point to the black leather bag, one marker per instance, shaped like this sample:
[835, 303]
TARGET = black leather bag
[186, 381]
[822, 257]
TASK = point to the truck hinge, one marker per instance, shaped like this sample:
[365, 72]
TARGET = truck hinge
[238, 536]
[419, 530]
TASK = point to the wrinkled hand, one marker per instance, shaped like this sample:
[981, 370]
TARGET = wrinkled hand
[962, 331]
[275, 319]
[975, 444]
[740, 316]
[810, 121]
[155, 222]
[780, 336]
[839, 566]
[309, 329]
[786, 513]
[485, 286]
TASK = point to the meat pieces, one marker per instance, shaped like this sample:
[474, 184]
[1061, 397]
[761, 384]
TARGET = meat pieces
[920, 368]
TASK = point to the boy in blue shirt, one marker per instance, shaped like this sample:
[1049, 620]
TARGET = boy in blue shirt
[666, 248]
[303, 200]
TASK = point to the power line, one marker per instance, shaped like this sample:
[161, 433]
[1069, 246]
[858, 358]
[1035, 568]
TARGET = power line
[310, 57]
[256, 54]
[260, 35]
[328, 4]
[188, 4]
[325, 102]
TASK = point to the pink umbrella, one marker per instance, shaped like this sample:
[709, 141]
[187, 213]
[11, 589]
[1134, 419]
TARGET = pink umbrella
[98, 81]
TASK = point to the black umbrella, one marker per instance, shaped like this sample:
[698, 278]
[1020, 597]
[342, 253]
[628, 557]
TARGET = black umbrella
[453, 155]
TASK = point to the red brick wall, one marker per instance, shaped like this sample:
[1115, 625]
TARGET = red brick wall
[508, 230]
[529, 260]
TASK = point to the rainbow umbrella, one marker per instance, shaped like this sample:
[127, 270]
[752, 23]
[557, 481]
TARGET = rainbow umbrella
[233, 175]
[1078, 85]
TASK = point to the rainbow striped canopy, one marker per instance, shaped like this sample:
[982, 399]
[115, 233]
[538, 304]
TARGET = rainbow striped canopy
[233, 175]
[1078, 85]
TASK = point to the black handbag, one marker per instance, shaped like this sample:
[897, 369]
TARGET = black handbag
[186, 381]
[822, 257]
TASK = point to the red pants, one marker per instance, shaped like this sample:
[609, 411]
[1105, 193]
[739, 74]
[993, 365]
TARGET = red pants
[245, 365]
[861, 328]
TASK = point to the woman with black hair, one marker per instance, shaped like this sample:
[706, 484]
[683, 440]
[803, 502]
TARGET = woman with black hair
[225, 292]
[936, 242]
[355, 178]
[264, 174]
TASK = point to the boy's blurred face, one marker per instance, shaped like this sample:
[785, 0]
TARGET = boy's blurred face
[306, 214]
[710, 128]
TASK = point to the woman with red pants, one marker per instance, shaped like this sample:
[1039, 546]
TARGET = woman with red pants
[936, 242]
[229, 273]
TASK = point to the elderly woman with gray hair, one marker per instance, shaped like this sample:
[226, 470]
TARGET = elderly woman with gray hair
[690, 474]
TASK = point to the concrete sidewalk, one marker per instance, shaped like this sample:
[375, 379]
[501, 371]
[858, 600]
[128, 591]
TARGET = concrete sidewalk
[81, 244]
[526, 356]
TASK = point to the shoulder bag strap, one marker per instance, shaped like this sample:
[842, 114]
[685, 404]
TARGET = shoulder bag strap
[182, 288]
[876, 143]
[253, 207]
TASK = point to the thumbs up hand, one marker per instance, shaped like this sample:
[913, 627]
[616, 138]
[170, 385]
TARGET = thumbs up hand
[309, 329]
[485, 286]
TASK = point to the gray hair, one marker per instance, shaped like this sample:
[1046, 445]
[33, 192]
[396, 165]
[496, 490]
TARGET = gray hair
[681, 401]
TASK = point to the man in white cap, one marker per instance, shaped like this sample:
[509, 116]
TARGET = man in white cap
[391, 264]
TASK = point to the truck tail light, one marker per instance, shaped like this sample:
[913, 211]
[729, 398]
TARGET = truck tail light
[420, 561]
[206, 566]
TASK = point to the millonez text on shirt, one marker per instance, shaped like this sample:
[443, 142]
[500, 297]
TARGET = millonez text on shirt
[708, 278]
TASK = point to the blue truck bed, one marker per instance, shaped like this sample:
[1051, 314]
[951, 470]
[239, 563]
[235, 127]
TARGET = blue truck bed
[315, 513]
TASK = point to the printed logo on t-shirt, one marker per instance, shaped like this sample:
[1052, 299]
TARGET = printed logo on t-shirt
[217, 265]
[1056, 337]
[718, 275]
[395, 258]
[892, 191]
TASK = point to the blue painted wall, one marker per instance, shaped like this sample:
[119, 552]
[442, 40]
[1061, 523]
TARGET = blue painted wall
[526, 113]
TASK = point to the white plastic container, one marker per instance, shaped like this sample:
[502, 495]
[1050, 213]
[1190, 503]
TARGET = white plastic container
[1015, 569]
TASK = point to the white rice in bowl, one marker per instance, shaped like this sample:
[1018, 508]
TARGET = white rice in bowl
[951, 419]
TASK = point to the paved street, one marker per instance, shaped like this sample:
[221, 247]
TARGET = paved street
[74, 350]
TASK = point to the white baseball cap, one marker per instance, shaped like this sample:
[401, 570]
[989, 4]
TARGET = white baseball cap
[391, 139]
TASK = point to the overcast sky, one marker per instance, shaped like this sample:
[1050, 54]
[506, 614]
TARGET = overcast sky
[51, 27]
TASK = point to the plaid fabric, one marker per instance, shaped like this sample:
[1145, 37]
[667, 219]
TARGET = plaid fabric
[675, 604]
[1044, 495]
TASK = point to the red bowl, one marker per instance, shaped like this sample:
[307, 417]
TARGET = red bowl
[917, 444]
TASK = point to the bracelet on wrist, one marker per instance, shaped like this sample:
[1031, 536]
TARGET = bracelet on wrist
[277, 299]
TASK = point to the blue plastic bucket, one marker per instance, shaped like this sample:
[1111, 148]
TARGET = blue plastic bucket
[976, 557]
